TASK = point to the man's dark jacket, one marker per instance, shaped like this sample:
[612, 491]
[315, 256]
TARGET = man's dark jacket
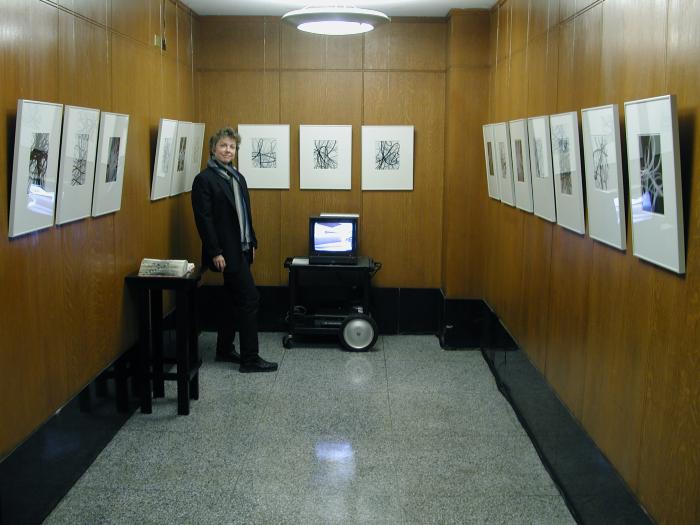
[214, 207]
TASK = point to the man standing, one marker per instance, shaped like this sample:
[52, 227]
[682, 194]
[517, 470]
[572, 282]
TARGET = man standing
[221, 206]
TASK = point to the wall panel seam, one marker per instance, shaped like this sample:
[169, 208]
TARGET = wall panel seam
[93, 22]
[181, 5]
[486, 67]
[362, 120]
[580, 12]
[317, 70]
[73, 13]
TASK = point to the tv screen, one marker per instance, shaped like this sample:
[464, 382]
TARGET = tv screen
[330, 235]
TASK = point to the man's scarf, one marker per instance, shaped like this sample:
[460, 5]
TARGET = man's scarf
[234, 178]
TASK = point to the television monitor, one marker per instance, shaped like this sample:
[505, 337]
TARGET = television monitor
[334, 237]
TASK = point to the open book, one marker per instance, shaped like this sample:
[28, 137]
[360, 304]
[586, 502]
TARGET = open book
[165, 267]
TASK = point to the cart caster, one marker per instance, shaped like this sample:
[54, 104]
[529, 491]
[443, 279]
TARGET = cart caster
[358, 333]
[287, 341]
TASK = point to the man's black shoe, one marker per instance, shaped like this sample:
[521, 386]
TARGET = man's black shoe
[230, 356]
[257, 365]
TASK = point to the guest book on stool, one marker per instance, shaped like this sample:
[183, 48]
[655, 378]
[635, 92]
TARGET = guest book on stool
[165, 268]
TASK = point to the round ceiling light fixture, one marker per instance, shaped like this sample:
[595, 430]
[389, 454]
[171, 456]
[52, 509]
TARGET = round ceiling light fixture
[335, 20]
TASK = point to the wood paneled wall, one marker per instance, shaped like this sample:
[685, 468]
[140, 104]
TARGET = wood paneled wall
[259, 71]
[65, 314]
[617, 338]
[467, 108]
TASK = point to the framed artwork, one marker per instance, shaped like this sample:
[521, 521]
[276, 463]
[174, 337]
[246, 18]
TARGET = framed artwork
[165, 159]
[111, 158]
[655, 182]
[76, 172]
[325, 157]
[504, 169]
[541, 168]
[387, 158]
[182, 161]
[34, 166]
[197, 134]
[263, 157]
[520, 155]
[489, 156]
[604, 186]
[566, 162]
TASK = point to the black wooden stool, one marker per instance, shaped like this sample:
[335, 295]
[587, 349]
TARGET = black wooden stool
[187, 361]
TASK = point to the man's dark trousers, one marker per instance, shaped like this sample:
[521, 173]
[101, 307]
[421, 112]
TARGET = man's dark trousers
[242, 301]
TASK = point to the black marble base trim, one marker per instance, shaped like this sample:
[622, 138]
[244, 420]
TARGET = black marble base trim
[419, 310]
[39, 472]
[274, 305]
[470, 324]
[396, 310]
[592, 488]
[385, 309]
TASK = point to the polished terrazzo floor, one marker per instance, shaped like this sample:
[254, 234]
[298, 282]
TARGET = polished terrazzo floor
[406, 433]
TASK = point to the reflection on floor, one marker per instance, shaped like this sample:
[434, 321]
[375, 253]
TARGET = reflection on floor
[406, 433]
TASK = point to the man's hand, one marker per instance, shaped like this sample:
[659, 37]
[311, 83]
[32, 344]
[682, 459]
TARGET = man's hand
[219, 262]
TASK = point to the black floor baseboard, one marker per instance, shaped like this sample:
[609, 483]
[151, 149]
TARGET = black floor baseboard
[591, 486]
[40, 471]
[396, 310]
[471, 324]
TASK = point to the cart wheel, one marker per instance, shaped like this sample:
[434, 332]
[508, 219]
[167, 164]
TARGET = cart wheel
[358, 332]
[287, 341]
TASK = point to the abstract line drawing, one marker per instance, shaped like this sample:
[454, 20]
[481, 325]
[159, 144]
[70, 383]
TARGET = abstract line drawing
[505, 158]
[387, 158]
[651, 173]
[566, 186]
[519, 160]
[167, 157]
[81, 149]
[32, 193]
[38, 161]
[603, 175]
[325, 155]
[196, 145]
[79, 164]
[489, 151]
[539, 159]
[264, 156]
[183, 151]
[656, 182]
[387, 155]
[263, 153]
[563, 146]
[181, 154]
[490, 161]
[568, 175]
[541, 167]
[39, 200]
[113, 159]
[504, 162]
[601, 164]
[88, 123]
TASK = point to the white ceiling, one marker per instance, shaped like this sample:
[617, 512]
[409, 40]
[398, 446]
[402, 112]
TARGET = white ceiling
[279, 7]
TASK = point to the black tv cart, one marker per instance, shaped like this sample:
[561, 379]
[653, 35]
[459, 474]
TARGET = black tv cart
[331, 300]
